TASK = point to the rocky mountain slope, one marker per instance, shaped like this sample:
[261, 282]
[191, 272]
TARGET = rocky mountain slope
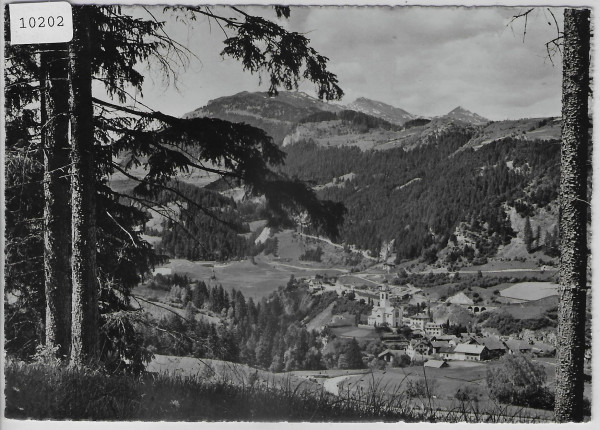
[381, 110]
[461, 114]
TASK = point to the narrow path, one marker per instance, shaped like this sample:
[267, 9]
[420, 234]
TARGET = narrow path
[332, 385]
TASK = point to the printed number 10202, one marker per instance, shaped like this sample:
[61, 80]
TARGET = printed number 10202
[42, 21]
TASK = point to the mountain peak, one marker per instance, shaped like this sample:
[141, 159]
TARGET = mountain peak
[461, 114]
[381, 110]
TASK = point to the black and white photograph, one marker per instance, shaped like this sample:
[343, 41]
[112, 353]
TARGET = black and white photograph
[297, 213]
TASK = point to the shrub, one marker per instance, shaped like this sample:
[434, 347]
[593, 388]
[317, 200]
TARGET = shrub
[521, 382]
[312, 254]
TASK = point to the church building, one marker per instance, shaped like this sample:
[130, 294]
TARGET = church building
[384, 312]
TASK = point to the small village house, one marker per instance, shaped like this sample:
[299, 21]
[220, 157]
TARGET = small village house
[389, 354]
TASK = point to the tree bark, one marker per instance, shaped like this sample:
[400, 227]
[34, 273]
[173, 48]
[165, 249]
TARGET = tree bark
[573, 217]
[55, 142]
[85, 314]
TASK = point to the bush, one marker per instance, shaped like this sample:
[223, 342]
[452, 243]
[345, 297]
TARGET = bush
[521, 382]
[312, 255]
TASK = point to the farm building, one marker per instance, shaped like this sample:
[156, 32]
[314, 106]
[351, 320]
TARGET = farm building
[436, 364]
[496, 348]
[446, 352]
[516, 346]
[389, 354]
[470, 352]
[437, 345]
[385, 313]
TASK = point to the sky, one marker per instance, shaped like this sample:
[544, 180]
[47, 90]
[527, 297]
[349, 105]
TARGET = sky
[425, 60]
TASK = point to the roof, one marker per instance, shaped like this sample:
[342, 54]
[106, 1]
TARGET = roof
[517, 345]
[387, 351]
[469, 348]
[439, 344]
[433, 325]
[446, 337]
[435, 363]
[492, 343]
[446, 349]
[394, 352]
[420, 317]
[460, 299]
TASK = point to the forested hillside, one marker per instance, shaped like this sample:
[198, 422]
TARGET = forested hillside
[419, 197]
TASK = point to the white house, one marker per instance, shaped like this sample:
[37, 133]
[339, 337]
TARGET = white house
[384, 312]
[433, 329]
[418, 321]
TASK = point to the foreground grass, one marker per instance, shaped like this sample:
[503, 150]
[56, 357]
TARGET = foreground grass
[39, 391]
[49, 391]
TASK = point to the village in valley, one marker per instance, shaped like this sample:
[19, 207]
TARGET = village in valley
[411, 322]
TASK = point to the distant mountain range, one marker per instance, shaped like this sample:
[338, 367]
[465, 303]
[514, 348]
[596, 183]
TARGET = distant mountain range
[291, 117]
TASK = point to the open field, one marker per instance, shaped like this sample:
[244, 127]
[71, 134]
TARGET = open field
[253, 280]
[532, 309]
[530, 290]
[218, 369]
[357, 332]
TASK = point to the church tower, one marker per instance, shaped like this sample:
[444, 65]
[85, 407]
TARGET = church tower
[384, 297]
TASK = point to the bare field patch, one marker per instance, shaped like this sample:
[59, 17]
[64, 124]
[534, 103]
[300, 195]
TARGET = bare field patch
[530, 290]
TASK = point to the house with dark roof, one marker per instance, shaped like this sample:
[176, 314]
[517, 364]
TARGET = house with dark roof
[516, 346]
[446, 352]
[418, 348]
[438, 344]
[389, 354]
[496, 347]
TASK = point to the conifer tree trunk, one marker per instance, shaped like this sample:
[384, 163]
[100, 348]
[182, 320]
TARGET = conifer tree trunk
[57, 214]
[573, 217]
[85, 312]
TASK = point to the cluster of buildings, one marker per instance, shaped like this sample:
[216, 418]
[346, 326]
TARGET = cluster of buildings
[429, 343]
[467, 347]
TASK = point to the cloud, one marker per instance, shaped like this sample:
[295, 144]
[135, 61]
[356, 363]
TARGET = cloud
[426, 60]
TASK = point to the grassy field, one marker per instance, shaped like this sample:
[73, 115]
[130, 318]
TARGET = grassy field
[532, 309]
[253, 280]
[530, 290]
[357, 332]
[42, 391]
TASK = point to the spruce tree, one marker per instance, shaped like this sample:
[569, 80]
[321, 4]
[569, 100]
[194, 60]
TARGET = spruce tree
[528, 235]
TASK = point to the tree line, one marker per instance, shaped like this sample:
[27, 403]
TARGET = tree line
[268, 334]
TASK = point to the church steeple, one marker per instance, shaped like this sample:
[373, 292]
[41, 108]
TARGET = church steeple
[384, 296]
